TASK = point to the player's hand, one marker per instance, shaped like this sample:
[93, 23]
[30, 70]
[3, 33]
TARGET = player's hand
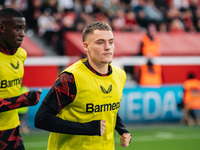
[125, 139]
[34, 96]
[39, 91]
[103, 127]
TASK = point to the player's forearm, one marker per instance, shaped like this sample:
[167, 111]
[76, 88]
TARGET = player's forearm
[120, 127]
[47, 120]
[27, 99]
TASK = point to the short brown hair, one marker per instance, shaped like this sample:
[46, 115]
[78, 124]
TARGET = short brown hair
[95, 26]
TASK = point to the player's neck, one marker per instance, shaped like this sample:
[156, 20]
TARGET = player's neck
[101, 68]
[8, 51]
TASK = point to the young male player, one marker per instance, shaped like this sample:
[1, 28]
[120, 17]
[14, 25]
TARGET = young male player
[81, 108]
[12, 57]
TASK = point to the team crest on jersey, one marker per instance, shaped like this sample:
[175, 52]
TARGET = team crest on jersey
[106, 91]
[15, 67]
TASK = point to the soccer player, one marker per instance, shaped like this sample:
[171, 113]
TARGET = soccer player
[81, 109]
[12, 32]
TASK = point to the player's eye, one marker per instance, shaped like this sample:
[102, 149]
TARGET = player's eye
[17, 28]
[20, 28]
[99, 42]
[111, 42]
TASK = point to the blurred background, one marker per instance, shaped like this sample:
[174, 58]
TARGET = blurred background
[157, 43]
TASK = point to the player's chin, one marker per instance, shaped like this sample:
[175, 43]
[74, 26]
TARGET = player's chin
[16, 46]
[106, 62]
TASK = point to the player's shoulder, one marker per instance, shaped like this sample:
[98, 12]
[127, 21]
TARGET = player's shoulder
[21, 53]
[75, 66]
[117, 68]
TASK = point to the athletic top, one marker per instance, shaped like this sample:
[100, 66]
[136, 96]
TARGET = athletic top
[63, 93]
[11, 74]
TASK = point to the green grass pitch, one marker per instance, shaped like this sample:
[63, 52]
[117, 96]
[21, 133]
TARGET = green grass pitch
[145, 137]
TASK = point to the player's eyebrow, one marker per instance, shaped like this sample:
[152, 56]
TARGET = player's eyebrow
[112, 39]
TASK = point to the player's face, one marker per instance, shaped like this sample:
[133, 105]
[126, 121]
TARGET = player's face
[13, 33]
[100, 47]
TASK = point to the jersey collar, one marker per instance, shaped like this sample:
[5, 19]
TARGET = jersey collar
[7, 51]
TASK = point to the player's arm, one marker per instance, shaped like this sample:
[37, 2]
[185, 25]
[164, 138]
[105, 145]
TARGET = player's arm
[27, 99]
[125, 136]
[46, 119]
[61, 94]
[120, 127]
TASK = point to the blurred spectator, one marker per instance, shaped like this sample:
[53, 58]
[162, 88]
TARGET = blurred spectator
[67, 24]
[195, 12]
[81, 19]
[113, 8]
[150, 44]
[20, 5]
[88, 6]
[33, 13]
[198, 25]
[130, 22]
[47, 26]
[194, 5]
[187, 20]
[196, 20]
[65, 5]
[99, 12]
[118, 22]
[98, 7]
[122, 15]
[161, 5]
[51, 6]
[153, 14]
[139, 6]
[173, 20]
[181, 4]
[163, 28]
[191, 101]
[126, 5]
[176, 26]
[77, 6]
[141, 20]
[150, 74]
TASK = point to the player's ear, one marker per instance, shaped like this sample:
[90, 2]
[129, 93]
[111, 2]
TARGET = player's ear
[2, 28]
[85, 46]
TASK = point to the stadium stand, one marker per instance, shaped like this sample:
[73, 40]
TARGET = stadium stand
[127, 44]
[32, 48]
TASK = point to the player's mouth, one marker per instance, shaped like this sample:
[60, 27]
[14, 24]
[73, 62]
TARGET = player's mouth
[19, 41]
[107, 54]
